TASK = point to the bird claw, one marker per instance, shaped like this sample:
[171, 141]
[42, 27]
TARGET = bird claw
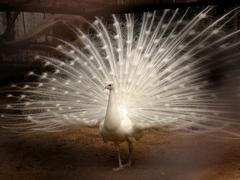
[127, 165]
[122, 167]
[118, 168]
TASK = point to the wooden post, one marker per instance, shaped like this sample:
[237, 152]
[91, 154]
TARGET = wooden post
[10, 20]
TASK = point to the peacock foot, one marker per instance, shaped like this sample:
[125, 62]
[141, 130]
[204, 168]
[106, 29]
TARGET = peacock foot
[129, 164]
[118, 168]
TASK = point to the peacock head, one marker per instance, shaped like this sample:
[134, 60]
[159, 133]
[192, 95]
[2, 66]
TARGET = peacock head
[109, 87]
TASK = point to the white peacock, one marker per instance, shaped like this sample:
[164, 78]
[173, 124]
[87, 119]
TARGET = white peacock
[156, 69]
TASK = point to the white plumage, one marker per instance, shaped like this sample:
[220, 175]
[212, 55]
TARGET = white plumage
[157, 69]
[117, 127]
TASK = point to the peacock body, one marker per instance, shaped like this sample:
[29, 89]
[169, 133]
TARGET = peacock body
[157, 71]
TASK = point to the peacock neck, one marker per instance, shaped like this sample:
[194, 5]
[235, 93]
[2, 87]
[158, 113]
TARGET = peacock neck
[111, 98]
[112, 119]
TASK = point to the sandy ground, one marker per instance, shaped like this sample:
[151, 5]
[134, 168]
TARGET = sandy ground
[81, 154]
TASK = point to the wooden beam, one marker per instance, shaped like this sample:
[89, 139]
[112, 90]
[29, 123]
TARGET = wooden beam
[89, 8]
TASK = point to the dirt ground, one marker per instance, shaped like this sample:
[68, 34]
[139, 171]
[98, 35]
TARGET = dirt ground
[81, 154]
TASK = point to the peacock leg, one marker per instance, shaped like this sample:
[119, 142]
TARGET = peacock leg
[120, 166]
[130, 148]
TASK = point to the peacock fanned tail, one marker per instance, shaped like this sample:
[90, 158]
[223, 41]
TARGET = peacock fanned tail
[173, 69]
